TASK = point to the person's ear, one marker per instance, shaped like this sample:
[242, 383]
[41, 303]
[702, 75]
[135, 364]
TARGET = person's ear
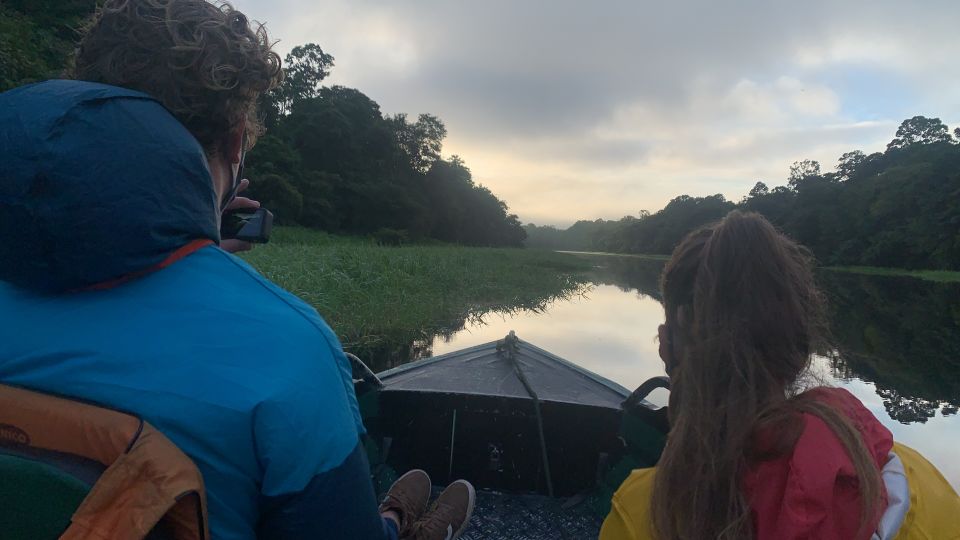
[666, 347]
[234, 145]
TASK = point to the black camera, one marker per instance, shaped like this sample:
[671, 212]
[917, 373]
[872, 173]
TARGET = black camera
[247, 224]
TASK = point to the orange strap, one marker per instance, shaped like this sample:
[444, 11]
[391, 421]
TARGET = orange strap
[147, 480]
[180, 253]
[153, 481]
[53, 423]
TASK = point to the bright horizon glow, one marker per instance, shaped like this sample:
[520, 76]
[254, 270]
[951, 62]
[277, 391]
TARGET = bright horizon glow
[568, 111]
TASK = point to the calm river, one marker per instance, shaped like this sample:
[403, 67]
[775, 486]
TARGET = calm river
[896, 344]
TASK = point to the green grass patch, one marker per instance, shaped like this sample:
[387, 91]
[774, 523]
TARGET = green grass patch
[375, 296]
[940, 276]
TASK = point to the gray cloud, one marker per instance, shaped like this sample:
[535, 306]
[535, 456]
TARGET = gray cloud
[639, 100]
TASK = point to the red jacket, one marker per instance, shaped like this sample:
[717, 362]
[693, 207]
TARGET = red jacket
[812, 492]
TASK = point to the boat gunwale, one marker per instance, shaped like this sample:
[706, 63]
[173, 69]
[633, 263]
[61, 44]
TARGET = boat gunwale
[419, 364]
[518, 399]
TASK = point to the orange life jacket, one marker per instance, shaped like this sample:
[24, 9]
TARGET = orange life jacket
[143, 483]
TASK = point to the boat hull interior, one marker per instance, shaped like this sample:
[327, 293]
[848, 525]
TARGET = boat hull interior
[495, 442]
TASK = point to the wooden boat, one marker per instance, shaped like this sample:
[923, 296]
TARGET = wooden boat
[546, 442]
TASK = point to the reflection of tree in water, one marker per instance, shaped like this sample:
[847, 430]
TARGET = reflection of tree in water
[381, 352]
[903, 335]
[907, 409]
[900, 407]
[628, 274]
[386, 352]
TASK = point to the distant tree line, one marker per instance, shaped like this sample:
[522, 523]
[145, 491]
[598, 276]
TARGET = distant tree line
[330, 159]
[897, 208]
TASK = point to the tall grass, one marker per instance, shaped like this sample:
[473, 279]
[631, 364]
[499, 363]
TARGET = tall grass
[375, 296]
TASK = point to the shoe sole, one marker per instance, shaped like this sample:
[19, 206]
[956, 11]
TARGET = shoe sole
[470, 504]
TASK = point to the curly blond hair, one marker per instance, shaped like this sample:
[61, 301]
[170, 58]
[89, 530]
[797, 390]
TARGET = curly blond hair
[203, 61]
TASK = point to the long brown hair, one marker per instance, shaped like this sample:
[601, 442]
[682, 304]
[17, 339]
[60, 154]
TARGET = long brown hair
[743, 317]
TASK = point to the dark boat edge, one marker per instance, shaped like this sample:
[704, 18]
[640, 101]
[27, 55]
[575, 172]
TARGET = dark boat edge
[628, 438]
[427, 362]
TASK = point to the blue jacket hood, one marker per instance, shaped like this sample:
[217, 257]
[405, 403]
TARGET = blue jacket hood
[96, 182]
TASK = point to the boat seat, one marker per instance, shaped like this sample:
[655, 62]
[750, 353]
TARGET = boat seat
[74, 470]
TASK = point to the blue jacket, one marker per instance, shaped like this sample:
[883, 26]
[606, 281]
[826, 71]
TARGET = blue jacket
[99, 182]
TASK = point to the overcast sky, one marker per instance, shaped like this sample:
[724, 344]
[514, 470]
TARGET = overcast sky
[578, 110]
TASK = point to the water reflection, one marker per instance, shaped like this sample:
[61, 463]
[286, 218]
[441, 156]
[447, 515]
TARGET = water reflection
[895, 343]
[629, 274]
[903, 335]
[604, 330]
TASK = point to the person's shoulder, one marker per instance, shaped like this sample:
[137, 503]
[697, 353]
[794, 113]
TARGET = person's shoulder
[228, 280]
[306, 387]
[638, 485]
[238, 274]
[636, 491]
[264, 328]
[839, 398]
[934, 504]
[877, 438]
[274, 311]
[630, 508]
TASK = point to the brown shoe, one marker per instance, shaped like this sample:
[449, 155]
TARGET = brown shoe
[408, 497]
[449, 515]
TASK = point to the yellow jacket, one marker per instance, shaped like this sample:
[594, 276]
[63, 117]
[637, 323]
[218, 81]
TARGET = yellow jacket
[932, 506]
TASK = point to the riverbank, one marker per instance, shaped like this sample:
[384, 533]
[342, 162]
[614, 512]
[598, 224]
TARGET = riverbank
[374, 296]
[663, 258]
[939, 276]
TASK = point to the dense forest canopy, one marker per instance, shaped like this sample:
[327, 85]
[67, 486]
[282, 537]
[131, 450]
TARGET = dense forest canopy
[898, 208]
[330, 159]
[37, 37]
